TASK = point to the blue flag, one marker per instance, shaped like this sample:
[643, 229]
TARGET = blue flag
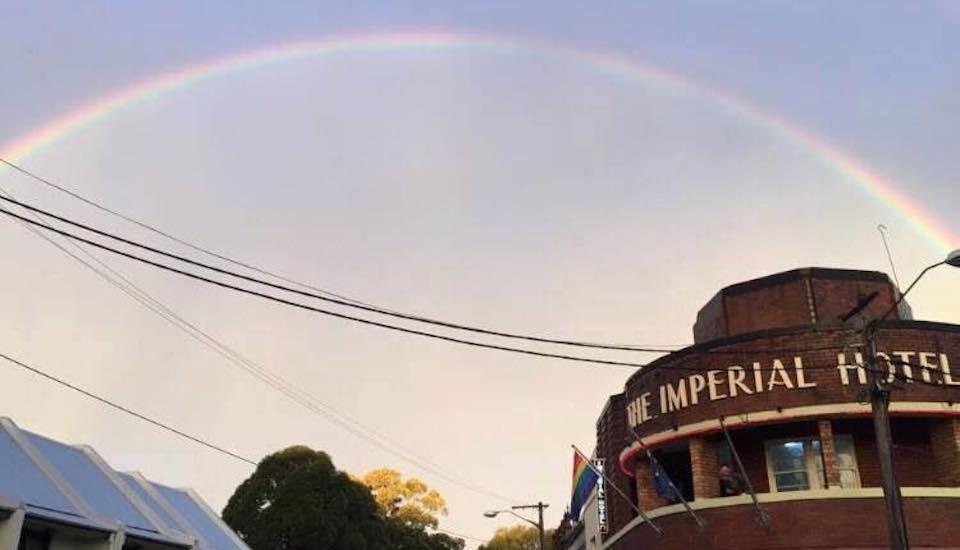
[662, 483]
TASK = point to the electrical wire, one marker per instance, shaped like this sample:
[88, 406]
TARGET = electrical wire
[314, 292]
[299, 305]
[284, 301]
[157, 423]
[284, 288]
[300, 397]
[125, 410]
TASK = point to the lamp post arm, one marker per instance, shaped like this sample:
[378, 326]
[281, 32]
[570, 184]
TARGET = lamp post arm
[530, 521]
[907, 291]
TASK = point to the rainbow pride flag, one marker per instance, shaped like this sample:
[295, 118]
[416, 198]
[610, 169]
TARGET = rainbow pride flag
[584, 478]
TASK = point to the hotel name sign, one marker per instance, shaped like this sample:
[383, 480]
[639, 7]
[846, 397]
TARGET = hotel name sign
[778, 375]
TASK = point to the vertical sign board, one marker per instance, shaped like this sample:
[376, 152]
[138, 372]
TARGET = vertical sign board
[601, 497]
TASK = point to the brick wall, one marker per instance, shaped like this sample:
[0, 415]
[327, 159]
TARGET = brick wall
[789, 299]
[834, 523]
[829, 451]
[791, 314]
[945, 440]
[647, 496]
[783, 305]
[611, 439]
[818, 350]
[834, 298]
[792, 298]
[703, 462]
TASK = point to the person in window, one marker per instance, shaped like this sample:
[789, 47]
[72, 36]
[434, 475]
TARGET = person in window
[731, 483]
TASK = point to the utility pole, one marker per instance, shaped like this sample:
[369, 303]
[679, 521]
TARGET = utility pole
[538, 524]
[539, 506]
[880, 406]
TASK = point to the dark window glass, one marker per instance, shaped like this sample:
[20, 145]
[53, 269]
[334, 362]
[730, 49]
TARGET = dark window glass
[34, 540]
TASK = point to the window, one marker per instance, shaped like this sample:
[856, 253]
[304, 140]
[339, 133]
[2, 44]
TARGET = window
[34, 540]
[797, 464]
[847, 461]
[794, 465]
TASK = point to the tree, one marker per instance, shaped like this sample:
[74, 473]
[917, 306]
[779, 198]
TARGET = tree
[297, 500]
[409, 501]
[409, 537]
[518, 537]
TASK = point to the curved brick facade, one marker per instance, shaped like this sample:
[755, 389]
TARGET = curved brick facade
[847, 523]
[819, 367]
[775, 365]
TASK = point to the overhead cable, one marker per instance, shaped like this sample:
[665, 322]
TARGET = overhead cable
[125, 410]
[299, 305]
[318, 293]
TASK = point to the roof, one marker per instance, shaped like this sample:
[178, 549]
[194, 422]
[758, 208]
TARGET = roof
[803, 273]
[72, 485]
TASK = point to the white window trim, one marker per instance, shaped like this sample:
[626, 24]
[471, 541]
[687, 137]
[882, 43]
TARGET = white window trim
[810, 460]
[853, 453]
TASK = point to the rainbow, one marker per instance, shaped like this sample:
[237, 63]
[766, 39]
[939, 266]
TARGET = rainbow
[934, 231]
[584, 480]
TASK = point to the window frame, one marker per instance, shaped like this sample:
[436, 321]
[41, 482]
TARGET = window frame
[811, 461]
[814, 465]
[853, 454]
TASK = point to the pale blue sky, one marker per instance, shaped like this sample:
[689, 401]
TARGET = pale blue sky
[524, 190]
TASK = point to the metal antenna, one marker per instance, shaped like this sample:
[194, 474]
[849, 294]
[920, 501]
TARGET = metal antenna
[883, 236]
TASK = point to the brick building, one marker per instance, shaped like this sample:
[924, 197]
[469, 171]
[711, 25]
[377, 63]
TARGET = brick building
[773, 364]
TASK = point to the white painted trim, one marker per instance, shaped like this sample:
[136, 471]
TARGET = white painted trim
[184, 525]
[216, 518]
[11, 527]
[133, 498]
[734, 421]
[51, 474]
[118, 539]
[789, 496]
[809, 461]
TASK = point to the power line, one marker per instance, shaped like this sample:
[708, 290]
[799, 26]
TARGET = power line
[155, 230]
[158, 424]
[240, 276]
[299, 305]
[317, 292]
[125, 410]
[300, 397]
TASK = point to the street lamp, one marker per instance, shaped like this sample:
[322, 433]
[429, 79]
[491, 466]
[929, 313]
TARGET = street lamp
[880, 406]
[538, 524]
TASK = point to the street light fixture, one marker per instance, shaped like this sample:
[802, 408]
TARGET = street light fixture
[538, 524]
[880, 406]
[953, 258]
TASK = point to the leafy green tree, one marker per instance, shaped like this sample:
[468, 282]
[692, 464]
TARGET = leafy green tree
[297, 500]
[409, 500]
[518, 537]
[408, 537]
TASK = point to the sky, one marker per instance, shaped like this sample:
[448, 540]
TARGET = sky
[539, 171]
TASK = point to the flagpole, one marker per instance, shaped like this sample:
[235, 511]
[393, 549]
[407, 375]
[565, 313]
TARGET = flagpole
[763, 518]
[610, 483]
[656, 464]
